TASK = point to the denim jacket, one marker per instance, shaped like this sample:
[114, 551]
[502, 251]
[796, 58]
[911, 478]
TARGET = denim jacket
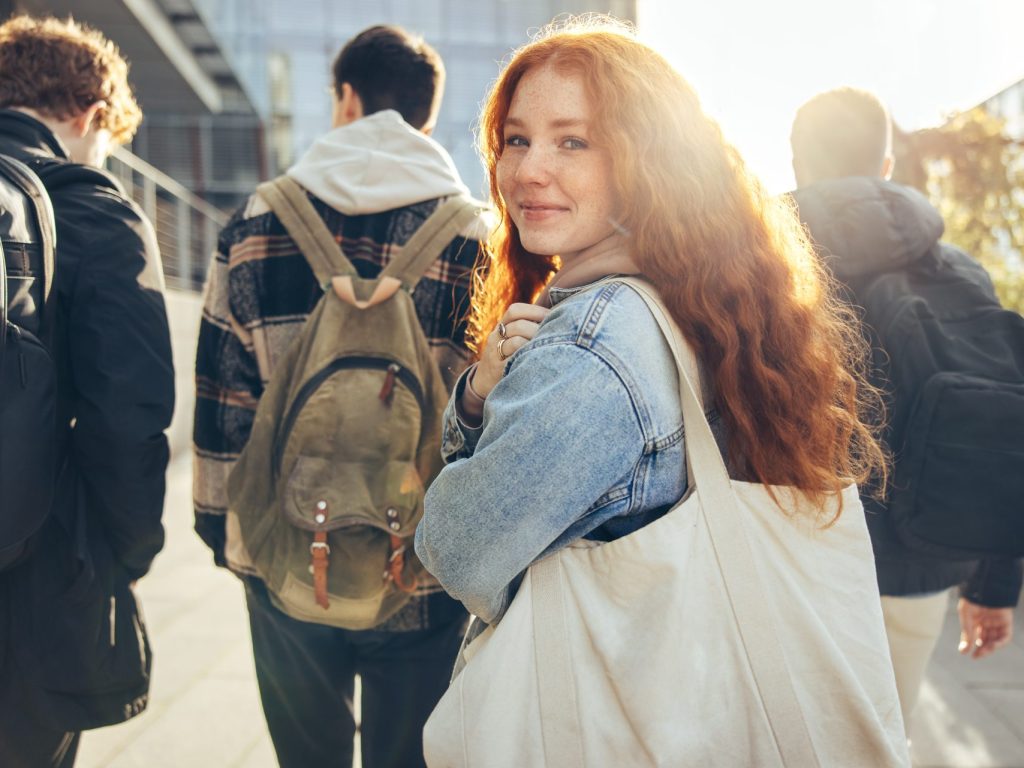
[582, 437]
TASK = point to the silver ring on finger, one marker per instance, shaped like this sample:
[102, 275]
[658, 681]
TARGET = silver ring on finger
[502, 331]
[501, 351]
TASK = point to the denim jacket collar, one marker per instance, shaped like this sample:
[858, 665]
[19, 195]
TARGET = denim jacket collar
[557, 295]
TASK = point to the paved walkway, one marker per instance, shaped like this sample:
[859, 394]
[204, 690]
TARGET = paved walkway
[205, 712]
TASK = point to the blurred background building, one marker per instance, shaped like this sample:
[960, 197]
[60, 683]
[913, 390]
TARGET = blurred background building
[283, 50]
[1008, 104]
[201, 146]
[234, 91]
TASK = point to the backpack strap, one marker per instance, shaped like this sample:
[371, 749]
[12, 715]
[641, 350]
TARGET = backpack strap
[449, 219]
[290, 203]
[34, 189]
[3, 305]
[58, 174]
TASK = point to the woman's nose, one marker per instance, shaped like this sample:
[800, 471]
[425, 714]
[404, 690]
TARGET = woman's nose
[534, 167]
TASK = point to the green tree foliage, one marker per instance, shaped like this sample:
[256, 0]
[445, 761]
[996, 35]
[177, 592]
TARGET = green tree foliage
[974, 174]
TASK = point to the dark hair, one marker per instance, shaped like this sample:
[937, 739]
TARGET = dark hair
[390, 69]
[843, 132]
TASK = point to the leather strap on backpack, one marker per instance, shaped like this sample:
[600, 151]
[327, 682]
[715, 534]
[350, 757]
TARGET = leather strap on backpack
[396, 566]
[320, 552]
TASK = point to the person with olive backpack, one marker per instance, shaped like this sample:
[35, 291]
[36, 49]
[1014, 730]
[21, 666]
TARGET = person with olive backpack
[333, 330]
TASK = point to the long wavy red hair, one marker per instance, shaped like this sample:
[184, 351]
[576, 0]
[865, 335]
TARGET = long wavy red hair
[732, 263]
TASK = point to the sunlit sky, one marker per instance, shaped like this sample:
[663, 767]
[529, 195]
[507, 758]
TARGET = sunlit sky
[754, 62]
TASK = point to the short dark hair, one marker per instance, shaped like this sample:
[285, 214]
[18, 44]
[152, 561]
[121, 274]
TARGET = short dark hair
[843, 132]
[390, 69]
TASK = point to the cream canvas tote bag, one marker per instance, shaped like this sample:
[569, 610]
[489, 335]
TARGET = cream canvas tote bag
[730, 632]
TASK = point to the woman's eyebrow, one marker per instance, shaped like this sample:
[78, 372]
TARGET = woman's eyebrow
[563, 122]
[568, 122]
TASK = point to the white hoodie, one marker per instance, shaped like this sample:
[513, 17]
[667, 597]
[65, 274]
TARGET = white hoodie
[375, 164]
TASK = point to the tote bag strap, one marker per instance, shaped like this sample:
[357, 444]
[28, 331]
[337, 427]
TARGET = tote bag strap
[562, 733]
[560, 726]
[751, 607]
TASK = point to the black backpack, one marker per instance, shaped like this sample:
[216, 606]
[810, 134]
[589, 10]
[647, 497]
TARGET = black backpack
[954, 363]
[28, 394]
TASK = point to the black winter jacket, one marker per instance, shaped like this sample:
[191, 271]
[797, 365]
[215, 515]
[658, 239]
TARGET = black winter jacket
[862, 227]
[73, 629]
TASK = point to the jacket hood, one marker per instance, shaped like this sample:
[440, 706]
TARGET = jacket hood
[862, 225]
[375, 164]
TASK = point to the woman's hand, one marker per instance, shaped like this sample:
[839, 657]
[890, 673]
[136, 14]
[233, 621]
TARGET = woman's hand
[518, 325]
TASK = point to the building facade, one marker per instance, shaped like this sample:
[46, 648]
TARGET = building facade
[201, 138]
[289, 82]
[234, 91]
[1008, 104]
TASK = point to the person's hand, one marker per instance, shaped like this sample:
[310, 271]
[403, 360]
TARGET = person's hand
[518, 325]
[983, 630]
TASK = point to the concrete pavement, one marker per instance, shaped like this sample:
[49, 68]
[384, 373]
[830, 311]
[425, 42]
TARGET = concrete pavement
[204, 709]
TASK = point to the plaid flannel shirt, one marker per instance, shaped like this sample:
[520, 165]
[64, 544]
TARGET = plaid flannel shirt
[259, 293]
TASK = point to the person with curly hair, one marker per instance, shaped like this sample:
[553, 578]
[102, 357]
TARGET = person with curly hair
[568, 432]
[73, 647]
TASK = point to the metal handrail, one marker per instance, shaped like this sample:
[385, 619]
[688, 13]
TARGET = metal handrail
[177, 189]
[186, 225]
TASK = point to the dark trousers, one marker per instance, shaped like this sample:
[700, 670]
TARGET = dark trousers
[27, 740]
[306, 674]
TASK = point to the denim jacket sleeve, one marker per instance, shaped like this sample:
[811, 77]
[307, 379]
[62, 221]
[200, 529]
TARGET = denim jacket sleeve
[458, 439]
[559, 430]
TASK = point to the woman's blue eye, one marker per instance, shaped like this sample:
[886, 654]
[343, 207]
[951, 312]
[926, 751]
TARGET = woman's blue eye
[515, 141]
[573, 143]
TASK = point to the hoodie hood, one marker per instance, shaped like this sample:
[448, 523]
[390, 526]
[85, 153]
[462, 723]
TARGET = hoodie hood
[862, 225]
[375, 164]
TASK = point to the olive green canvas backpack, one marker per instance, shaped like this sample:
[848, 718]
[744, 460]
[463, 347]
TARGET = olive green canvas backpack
[329, 489]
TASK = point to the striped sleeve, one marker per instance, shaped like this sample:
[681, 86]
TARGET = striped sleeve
[228, 388]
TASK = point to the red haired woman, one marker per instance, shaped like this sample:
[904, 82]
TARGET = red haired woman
[568, 436]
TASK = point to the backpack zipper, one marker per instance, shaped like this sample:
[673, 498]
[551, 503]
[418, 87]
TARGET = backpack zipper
[392, 369]
[388, 389]
[113, 621]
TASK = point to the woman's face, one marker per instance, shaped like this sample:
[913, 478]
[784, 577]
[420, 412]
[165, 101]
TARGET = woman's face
[556, 184]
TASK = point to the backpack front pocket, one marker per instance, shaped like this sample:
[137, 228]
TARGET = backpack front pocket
[382, 398]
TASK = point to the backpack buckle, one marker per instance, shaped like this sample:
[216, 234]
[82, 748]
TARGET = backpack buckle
[396, 566]
[319, 545]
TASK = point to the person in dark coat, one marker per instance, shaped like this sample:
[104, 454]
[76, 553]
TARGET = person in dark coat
[73, 649]
[867, 225]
